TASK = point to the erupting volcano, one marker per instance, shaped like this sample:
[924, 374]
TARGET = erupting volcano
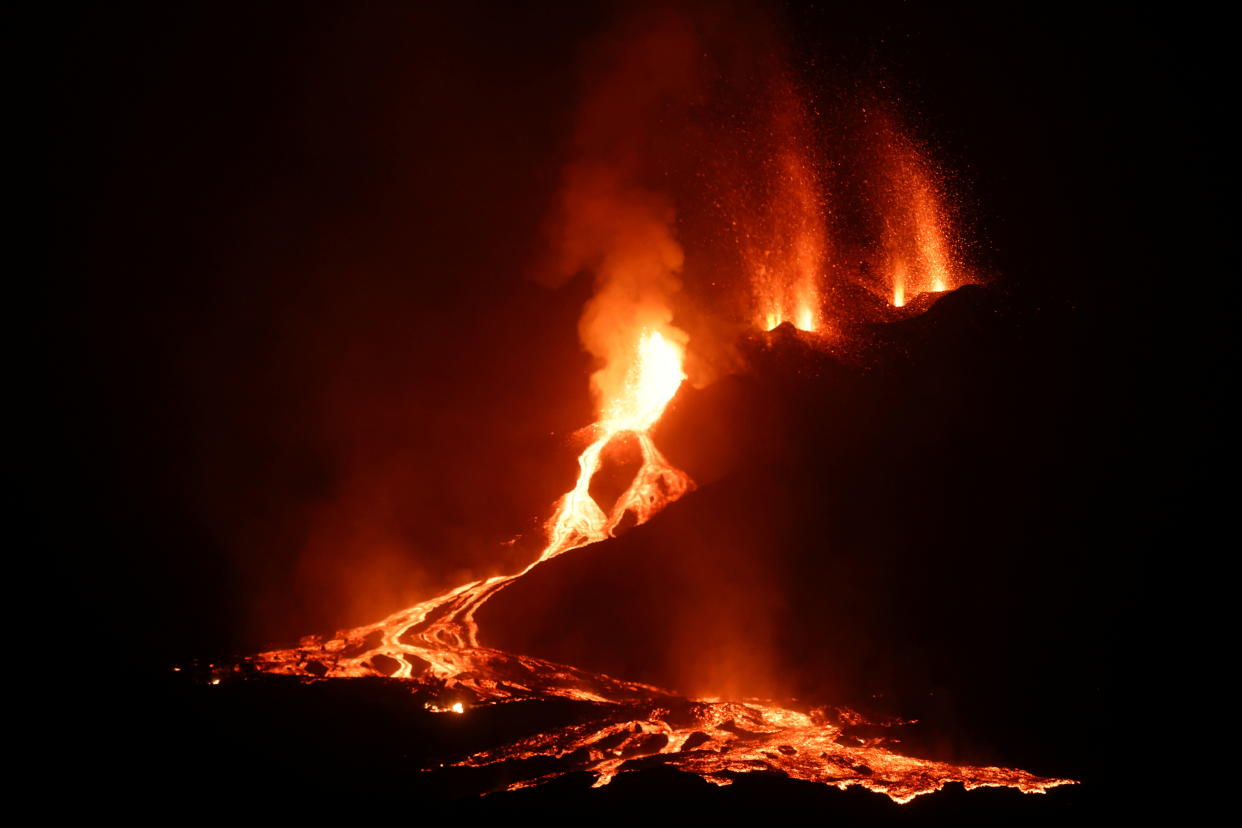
[436, 645]
[792, 243]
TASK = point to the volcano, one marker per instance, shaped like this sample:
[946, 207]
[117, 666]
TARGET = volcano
[663, 600]
[738, 407]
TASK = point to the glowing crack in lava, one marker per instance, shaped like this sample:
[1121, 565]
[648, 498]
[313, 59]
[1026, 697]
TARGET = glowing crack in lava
[435, 645]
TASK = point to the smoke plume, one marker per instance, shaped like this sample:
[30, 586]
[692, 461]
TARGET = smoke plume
[609, 219]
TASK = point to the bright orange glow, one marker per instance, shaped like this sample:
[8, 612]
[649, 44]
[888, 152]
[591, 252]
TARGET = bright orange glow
[439, 636]
[806, 318]
[734, 737]
[784, 232]
[711, 738]
[929, 232]
[787, 272]
[652, 380]
[626, 235]
[916, 251]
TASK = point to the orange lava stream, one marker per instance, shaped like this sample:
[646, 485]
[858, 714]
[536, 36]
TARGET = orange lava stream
[717, 740]
[439, 637]
[435, 645]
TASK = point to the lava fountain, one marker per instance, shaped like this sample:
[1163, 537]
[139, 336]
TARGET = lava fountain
[916, 250]
[787, 253]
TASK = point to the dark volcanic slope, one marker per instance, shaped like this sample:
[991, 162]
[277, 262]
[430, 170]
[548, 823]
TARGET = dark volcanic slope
[935, 517]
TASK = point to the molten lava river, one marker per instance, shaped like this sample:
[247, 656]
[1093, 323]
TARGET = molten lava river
[435, 647]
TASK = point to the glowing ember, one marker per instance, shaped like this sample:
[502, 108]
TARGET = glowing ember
[916, 245]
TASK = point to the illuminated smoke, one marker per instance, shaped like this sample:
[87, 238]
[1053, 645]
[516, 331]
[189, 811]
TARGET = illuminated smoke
[608, 220]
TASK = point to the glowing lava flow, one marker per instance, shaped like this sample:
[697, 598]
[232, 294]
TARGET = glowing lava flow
[439, 637]
[719, 740]
[609, 222]
[632, 725]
